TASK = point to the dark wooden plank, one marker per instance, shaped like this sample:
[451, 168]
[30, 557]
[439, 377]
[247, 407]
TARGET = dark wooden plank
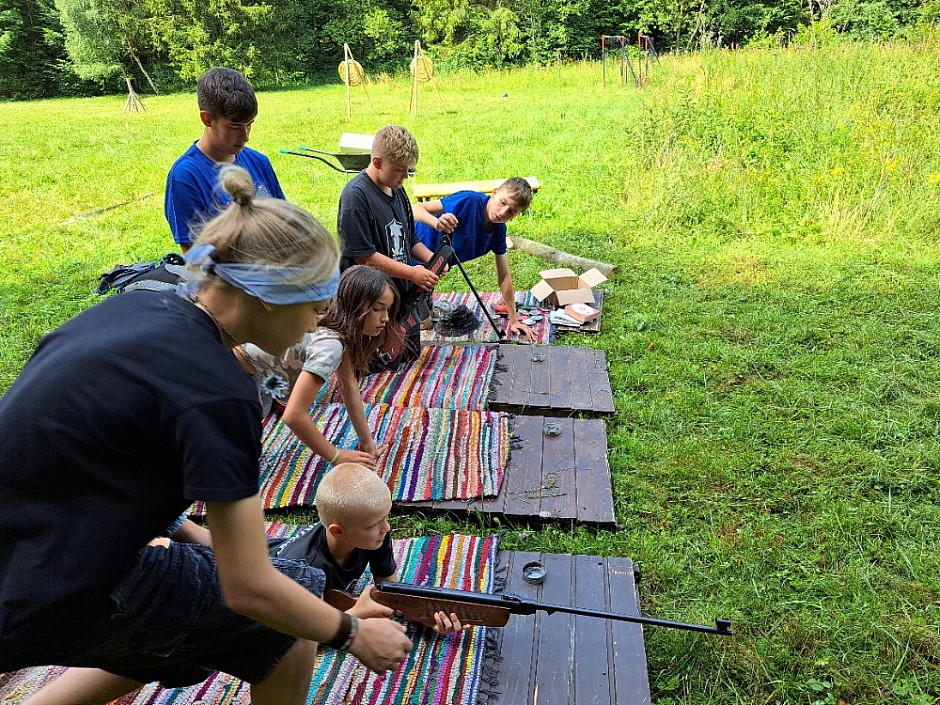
[594, 486]
[538, 484]
[631, 676]
[558, 491]
[599, 383]
[524, 470]
[562, 371]
[581, 366]
[554, 669]
[552, 380]
[518, 638]
[513, 389]
[576, 660]
[539, 379]
[592, 636]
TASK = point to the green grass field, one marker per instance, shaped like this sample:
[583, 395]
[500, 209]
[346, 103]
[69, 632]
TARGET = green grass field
[772, 332]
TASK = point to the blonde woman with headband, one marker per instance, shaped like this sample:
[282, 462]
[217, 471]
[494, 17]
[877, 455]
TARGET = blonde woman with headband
[123, 417]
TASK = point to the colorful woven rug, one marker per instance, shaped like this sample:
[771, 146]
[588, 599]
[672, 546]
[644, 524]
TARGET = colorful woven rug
[443, 377]
[430, 454]
[440, 669]
[485, 333]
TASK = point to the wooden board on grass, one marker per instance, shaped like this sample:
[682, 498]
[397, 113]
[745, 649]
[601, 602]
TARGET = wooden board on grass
[551, 380]
[557, 470]
[563, 659]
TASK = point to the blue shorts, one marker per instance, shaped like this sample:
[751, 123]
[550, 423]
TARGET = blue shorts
[171, 624]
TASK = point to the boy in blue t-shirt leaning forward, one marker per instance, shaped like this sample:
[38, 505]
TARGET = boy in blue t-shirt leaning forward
[477, 225]
[227, 109]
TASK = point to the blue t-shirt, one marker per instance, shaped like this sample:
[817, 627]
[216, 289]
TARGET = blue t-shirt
[471, 239]
[193, 193]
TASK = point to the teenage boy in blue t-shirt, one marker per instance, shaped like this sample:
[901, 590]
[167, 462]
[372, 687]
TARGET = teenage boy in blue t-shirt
[477, 225]
[227, 109]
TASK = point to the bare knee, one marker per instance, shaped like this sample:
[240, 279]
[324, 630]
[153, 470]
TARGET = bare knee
[289, 682]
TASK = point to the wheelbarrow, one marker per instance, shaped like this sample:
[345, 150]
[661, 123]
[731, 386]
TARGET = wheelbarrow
[345, 162]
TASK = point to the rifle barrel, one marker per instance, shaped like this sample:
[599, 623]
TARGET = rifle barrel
[520, 605]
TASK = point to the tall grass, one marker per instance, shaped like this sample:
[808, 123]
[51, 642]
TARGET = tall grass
[771, 332]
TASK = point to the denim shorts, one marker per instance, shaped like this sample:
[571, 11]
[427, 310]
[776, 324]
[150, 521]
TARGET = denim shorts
[171, 625]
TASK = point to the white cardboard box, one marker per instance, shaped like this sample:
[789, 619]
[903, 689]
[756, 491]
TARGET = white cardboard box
[561, 287]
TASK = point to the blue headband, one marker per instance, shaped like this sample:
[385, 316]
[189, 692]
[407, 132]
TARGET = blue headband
[271, 284]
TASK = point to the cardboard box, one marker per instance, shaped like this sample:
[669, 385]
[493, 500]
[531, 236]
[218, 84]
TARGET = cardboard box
[561, 287]
[582, 312]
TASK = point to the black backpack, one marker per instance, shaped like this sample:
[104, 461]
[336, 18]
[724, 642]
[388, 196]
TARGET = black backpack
[165, 274]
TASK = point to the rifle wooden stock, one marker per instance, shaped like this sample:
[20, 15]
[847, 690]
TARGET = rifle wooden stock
[414, 608]
[418, 603]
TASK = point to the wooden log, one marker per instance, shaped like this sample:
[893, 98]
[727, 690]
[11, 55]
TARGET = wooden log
[552, 255]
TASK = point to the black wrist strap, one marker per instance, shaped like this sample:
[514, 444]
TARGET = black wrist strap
[341, 637]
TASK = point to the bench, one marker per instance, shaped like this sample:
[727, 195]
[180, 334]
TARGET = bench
[431, 192]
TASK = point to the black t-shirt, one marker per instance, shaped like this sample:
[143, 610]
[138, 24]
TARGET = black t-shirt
[121, 418]
[312, 547]
[370, 221]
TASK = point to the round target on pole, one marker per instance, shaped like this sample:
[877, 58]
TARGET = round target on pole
[350, 71]
[422, 68]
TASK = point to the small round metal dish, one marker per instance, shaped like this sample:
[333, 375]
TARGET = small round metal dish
[533, 573]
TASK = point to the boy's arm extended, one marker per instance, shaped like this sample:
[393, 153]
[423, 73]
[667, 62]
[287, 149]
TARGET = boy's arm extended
[509, 298]
[432, 214]
[420, 275]
[298, 419]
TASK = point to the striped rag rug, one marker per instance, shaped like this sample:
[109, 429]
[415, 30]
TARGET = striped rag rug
[430, 454]
[443, 377]
[484, 332]
[440, 669]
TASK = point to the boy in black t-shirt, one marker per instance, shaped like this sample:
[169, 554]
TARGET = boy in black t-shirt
[376, 224]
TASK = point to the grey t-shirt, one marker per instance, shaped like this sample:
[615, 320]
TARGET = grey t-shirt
[319, 353]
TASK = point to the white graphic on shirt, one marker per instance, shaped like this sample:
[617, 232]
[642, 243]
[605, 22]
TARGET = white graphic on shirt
[395, 236]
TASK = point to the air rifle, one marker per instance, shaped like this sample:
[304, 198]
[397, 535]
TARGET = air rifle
[419, 603]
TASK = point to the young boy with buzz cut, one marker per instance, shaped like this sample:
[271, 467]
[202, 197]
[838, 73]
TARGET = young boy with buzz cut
[476, 224]
[353, 533]
[227, 109]
[376, 224]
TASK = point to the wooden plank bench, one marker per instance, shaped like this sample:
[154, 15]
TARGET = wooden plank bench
[551, 380]
[432, 192]
[569, 659]
[548, 478]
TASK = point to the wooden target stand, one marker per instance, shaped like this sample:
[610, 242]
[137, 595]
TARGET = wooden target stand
[422, 71]
[133, 104]
[352, 74]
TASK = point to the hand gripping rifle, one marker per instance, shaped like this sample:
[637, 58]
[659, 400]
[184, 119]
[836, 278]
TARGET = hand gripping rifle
[418, 603]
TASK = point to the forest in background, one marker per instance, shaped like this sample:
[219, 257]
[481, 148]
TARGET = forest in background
[59, 48]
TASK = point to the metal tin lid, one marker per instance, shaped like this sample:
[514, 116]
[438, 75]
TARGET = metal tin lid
[533, 573]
